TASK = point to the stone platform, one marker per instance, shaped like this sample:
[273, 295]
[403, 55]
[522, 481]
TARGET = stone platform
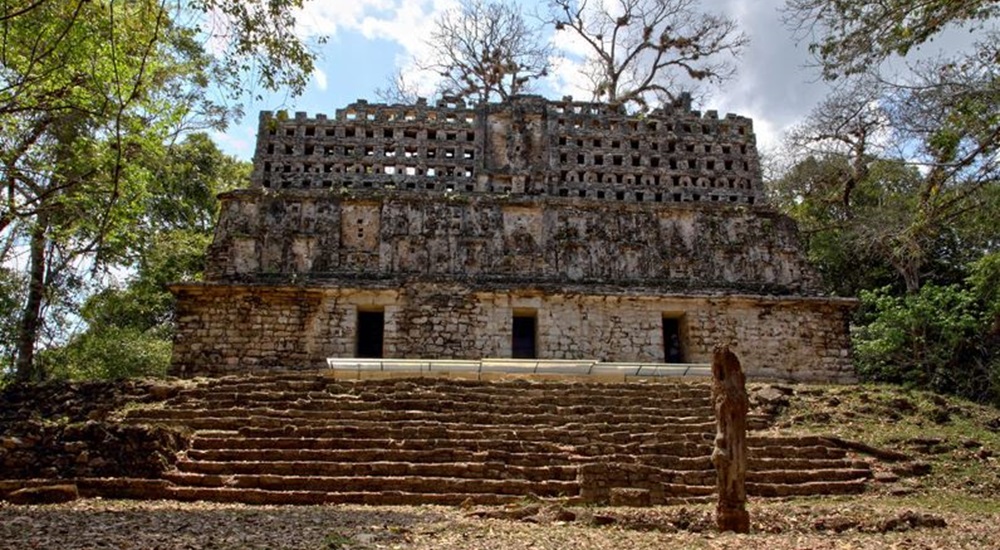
[501, 369]
[314, 437]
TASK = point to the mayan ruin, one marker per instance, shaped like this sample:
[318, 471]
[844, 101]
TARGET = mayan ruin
[526, 229]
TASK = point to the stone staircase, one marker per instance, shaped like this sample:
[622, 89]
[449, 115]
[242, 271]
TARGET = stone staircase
[307, 438]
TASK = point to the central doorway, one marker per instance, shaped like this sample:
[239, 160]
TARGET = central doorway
[523, 344]
[673, 351]
[371, 333]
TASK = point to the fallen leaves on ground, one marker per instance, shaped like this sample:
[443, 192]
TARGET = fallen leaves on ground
[840, 524]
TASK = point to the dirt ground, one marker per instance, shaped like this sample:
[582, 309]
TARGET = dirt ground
[861, 522]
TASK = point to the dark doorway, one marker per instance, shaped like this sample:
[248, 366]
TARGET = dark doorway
[371, 326]
[523, 341]
[673, 351]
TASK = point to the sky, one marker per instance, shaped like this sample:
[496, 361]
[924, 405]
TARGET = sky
[369, 40]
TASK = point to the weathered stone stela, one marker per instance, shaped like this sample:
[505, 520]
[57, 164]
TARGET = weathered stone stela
[531, 228]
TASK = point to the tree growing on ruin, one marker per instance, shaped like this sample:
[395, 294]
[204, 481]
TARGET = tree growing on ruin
[398, 89]
[486, 50]
[640, 51]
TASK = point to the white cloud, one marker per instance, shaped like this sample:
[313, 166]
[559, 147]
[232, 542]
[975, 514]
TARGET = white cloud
[238, 141]
[327, 18]
[409, 27]
[319, 77]
[567, 80]
[406, 23]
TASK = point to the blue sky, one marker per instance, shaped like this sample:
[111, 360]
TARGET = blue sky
[368, 40]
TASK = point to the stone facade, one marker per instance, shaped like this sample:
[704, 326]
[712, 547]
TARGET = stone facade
[440, 232]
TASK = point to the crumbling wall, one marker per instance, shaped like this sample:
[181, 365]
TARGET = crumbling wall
[526, 146]
[238, 330]
[302, 236]
[449, 219]
[62, 429]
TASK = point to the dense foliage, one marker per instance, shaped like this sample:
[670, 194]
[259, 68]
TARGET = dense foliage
[943, 337]
[93, 95]
[895, 181]
[129, 327]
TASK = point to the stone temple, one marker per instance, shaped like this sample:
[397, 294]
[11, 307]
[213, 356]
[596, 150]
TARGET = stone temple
[526, 229]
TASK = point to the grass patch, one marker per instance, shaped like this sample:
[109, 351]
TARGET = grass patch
[959, 439]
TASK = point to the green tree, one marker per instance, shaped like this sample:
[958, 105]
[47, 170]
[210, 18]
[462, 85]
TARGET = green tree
[129, 327]
[812, 192]
[89, 87]
[913, 161]
[903, 171]
[944, 337]
[11, 295]
[849, 37]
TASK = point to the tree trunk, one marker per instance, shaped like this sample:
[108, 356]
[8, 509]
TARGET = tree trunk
[729, 396]
[27, 333]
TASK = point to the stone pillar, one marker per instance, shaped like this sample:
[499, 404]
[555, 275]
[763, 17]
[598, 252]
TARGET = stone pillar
[729, 396]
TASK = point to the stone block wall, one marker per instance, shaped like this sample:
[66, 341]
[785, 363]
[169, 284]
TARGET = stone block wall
[526, 146]
[443, 222]
[307, 235]
[226, 328]
[641, 485]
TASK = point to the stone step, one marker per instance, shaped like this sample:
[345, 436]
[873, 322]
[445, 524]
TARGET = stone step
[676, 407]
[568, 431]
[322, 437]
[763, 464]
[314, 382]
[771, 440]
[276, 420]
[572, 431]
[475, 445]
[407, 400]
[372, 390]
[105, 487]
[693, 459]
[371, 440]
[365, 484]
[306, 438]
[382, 498]
[445, 454]
[795, 451]
[807, 476]
[818, 488]
[333, 408]
[495, 470]
[552, 395]
[222, 473]
[124, 488]
[216, 461]
[268, 425]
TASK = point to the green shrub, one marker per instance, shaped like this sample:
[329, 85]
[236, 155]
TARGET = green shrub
[111, 353]
[942, 338]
